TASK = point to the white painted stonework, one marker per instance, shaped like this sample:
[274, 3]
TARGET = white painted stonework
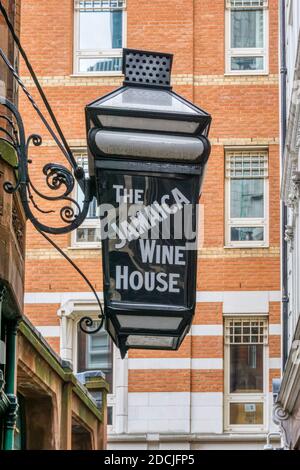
[198, 417]
[158, 412]
[202, 296]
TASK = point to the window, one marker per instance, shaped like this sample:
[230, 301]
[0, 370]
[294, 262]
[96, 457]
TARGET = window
[95, 352]
[246, 36]
[8, 86]
[88, 235]
[246, 340]
[99, 36]
[246, 189]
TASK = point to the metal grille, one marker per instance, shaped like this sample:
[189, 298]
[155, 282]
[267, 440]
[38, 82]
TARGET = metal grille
[100, 5]
[247, 4]
[246, 331]
[151, 68]
[247, 164]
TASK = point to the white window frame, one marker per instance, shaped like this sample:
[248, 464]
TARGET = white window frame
[245, 397]
[70, 312]
[246, 222]
[89, 350]
[111, 397]
[246, 52]
[95, 53]
[80, 155]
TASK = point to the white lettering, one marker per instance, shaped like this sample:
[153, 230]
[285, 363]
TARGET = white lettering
[136, 280]
[133, 196]
[161, 278]
[118, 188]
[150, 281]
[167, 255]
[179, 198]
[151, 252]
[174, 283]
[147, 251]
[139, 196]
[179, 254]
[122, 279]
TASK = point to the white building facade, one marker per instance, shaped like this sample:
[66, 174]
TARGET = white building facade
[287, 408]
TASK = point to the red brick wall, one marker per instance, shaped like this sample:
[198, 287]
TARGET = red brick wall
[244, 110]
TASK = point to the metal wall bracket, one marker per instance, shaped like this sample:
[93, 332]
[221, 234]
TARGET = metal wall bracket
[58, 178]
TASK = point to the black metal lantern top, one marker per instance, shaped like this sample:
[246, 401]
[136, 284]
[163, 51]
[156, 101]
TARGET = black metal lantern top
[148, 145]
[147, 68]
[146, 102]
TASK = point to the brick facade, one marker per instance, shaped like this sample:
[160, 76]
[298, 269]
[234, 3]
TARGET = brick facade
[245, 113]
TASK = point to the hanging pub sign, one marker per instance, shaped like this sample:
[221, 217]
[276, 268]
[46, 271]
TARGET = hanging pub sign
[148, 151]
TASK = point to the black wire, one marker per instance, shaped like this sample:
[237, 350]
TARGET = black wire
[64, 148]
[33, 103]
[69, 155]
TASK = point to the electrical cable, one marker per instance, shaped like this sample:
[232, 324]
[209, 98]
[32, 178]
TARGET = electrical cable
[68, 151]
[63, 145]
[83, 276]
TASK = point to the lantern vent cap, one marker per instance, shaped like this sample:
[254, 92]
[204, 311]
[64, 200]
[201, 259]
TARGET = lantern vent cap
[146, 68]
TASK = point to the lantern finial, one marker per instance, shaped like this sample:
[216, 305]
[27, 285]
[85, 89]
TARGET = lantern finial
[145, 68]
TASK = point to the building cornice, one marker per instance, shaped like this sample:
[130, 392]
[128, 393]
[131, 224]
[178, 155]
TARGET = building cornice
[75, 308]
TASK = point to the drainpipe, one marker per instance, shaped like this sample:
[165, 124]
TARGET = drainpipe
[283, 125]
[10, 388]
[2, 336]
[269, 446]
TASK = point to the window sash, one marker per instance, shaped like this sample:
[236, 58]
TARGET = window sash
[92, 221]
[247, 29]
[111, 397]
[108, 24]
[105, 353]
[246, 165]
[244, 376]
[95, 54]
[256, 52]
[82, 161]
[244, 207]
[246, 397]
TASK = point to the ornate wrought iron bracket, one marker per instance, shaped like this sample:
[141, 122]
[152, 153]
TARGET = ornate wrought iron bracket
[58, 178]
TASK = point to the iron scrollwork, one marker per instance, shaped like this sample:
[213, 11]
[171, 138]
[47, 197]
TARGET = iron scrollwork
[56, 175]
[57, 178]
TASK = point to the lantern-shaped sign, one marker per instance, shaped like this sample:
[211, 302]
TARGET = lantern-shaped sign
[148, 149]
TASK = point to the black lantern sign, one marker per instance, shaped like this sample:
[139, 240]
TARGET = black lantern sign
[148, 151]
